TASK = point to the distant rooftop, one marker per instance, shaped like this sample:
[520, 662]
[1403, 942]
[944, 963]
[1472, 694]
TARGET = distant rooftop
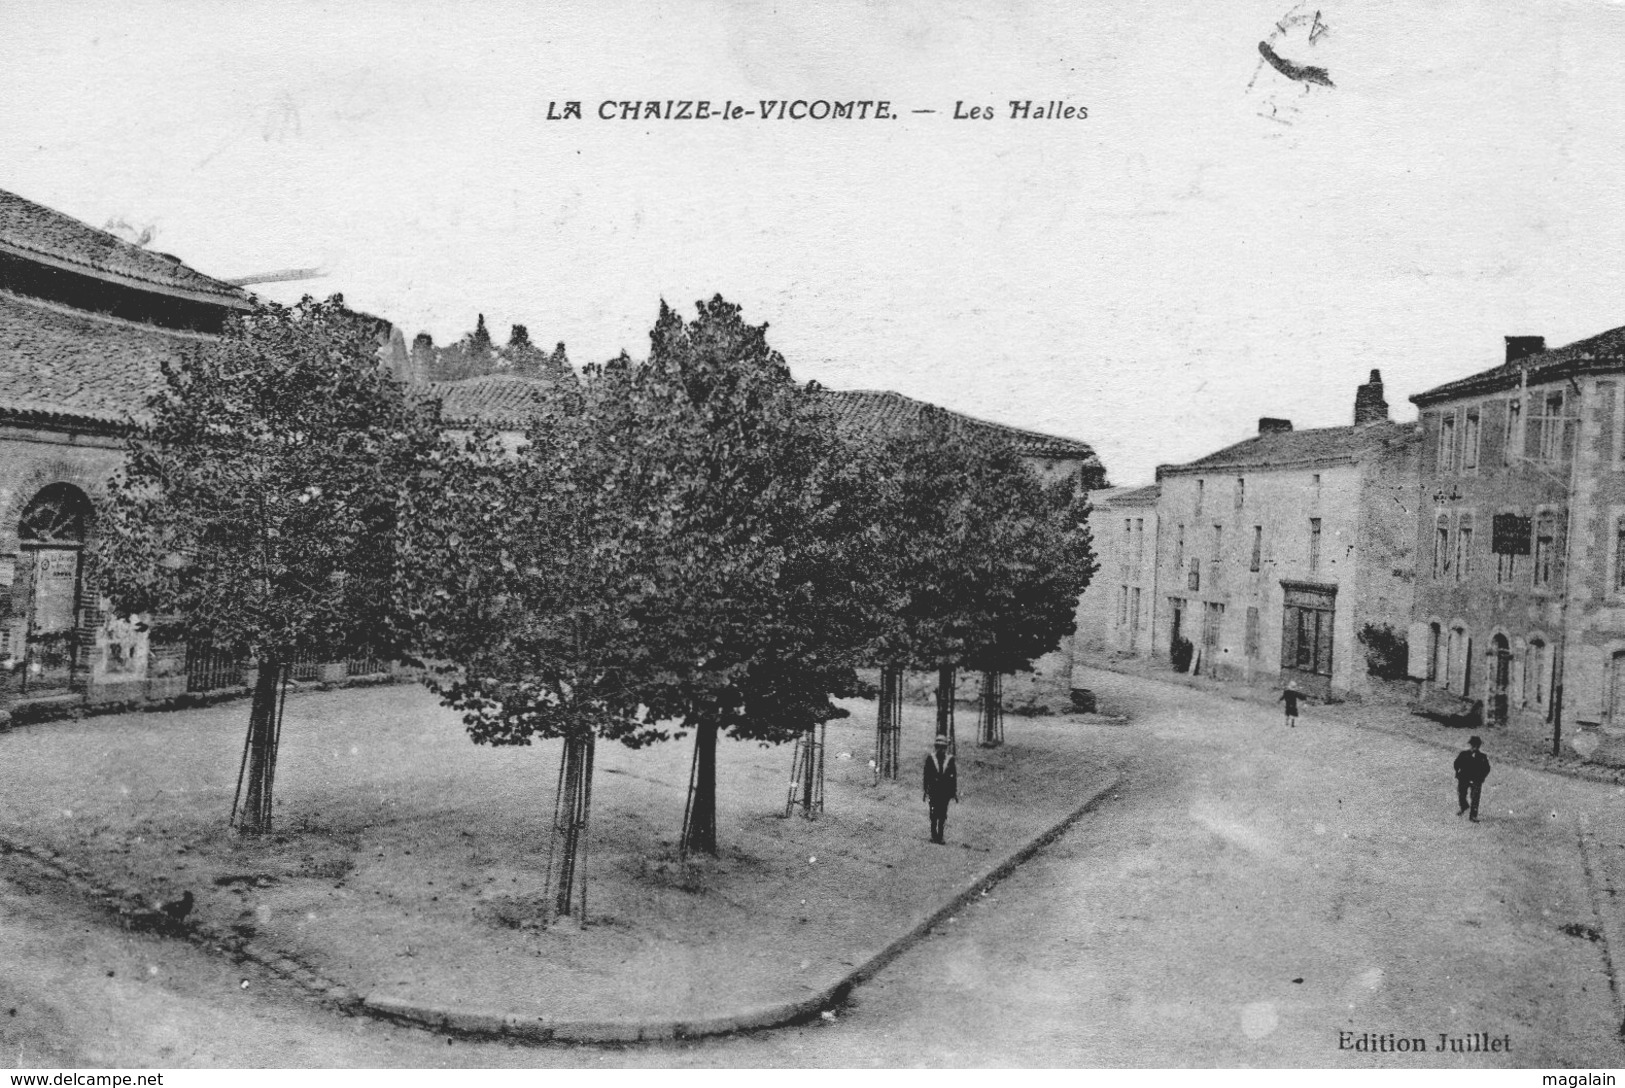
[1144, 495]
[503, 401]
[1291, 449]
[880, 413]
[38, 233]
[1602, 352]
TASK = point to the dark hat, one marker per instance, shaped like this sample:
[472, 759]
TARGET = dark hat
[1474, 741]
[942, 740]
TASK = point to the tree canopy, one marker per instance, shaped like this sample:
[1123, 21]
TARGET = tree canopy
[674, 550]
[257, 504]
[984, 564]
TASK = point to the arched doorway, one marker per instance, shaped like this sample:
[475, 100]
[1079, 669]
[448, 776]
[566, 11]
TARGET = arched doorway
[1534, 675]
[46, 589]
[1458, 661]
[1500, 678]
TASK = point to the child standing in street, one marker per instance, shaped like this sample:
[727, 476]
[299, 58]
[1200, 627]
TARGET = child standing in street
[1290, 696]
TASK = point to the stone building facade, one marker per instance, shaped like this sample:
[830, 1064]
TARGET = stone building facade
[1520, 538]
[1271, 556]
[1117, 613]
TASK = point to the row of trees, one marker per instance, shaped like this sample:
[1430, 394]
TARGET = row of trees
[685, 545]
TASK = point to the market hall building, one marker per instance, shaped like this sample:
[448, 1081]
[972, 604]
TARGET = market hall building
[86, 321]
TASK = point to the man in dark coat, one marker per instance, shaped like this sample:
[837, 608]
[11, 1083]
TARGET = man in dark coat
[1472, 767]
[941, 786]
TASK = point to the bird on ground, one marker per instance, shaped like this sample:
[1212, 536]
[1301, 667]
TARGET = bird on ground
[178, 909]
[160, 917]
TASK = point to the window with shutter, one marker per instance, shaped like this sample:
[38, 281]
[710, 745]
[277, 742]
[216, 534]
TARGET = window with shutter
[1447, 442]
[1551, 427]
[1289, 638]
[1545, 546]
[1323, 644]
[1619, 555]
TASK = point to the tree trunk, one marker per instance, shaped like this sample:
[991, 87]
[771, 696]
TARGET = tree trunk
[991, 723]
[700, 833]
[572, 806]
[945, 704]
[251, 808]
[810, 770]
[889, 724]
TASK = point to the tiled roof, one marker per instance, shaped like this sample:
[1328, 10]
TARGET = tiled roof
[1144, 495]
[57, 364]
[880, 413]
[1604, 351]
[1317, 445]
[35, 231]
[503, 401]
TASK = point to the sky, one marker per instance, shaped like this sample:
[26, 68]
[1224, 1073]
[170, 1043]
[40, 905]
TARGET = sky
[1214, 243]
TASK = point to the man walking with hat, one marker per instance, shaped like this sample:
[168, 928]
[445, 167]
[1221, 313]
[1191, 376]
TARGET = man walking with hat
[941, 786]
[1472, 767]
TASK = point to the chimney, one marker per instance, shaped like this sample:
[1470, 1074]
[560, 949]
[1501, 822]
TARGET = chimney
[1521, 347]
[1267, 425]
[1369, 404]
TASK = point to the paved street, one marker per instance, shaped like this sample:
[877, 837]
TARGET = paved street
[1250, 892]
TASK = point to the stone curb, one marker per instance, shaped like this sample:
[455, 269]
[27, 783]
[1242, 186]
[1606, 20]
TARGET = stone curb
[206, 937]
[28, 713]
[541, 1029]
[1598, 889]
